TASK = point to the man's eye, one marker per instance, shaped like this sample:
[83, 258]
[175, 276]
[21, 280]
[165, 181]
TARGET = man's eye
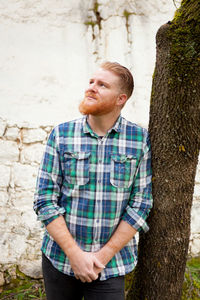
[102, 84]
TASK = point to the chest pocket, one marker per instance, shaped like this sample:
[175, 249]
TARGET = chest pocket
[76, 167]
[123, 168]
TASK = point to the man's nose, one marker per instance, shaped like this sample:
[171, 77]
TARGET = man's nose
[92, 87]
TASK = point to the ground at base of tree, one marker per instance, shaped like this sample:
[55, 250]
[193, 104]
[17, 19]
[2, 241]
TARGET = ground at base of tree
[25, 288]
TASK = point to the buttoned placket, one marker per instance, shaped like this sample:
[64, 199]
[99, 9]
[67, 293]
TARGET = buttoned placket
[99, 190]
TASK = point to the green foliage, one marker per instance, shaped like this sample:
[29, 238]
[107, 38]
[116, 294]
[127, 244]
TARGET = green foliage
[24, 289]
[191, 286]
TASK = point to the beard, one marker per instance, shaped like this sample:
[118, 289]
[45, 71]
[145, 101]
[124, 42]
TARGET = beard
[96, 107]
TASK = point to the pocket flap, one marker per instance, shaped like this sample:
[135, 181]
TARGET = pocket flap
[121, 158]
[77, 155]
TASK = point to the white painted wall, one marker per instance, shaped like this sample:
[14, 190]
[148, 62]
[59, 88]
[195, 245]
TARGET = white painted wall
[48, 51]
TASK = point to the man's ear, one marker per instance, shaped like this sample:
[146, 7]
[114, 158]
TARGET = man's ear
[122, 99]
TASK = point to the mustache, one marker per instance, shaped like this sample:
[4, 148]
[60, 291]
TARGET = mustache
[90, 94]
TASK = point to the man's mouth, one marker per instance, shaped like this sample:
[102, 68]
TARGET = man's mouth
[91, 97]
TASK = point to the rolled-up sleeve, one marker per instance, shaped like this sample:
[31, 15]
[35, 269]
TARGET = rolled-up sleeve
[49, 183]
[141, 201]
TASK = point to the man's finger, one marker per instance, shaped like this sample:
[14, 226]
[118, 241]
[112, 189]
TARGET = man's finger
[82, 279]
[86, 279]
[93, 276]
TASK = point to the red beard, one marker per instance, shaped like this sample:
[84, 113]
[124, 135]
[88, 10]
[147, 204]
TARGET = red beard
[95, 107]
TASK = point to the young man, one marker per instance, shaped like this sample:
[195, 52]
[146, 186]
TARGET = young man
[94, 193]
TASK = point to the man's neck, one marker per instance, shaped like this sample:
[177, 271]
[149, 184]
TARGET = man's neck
[101, 124]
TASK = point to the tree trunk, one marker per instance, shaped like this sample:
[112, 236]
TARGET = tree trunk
[175, 137]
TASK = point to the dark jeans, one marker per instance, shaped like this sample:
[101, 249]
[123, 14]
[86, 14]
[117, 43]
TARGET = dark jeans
[59, 286]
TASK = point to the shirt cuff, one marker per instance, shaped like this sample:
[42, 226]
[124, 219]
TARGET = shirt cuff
[47, 215]
[135, 220]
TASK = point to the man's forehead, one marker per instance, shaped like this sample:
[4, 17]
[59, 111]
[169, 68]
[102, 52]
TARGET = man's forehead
[105, 75]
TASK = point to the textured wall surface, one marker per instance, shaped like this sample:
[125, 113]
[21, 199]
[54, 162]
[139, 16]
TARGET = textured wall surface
[48, 51]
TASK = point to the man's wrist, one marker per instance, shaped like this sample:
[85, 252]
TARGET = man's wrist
[105, 254]
[72, 250]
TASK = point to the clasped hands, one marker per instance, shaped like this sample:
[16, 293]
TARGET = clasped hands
[86, 265]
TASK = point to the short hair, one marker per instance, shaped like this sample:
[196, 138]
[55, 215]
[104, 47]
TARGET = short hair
[126, 78]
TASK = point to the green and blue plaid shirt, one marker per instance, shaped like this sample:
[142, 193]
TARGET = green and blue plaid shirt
[95, 183]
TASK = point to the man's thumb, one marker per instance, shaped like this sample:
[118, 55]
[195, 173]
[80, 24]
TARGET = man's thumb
[98, 264]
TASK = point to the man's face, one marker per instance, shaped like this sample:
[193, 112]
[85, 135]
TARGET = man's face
[102, 94]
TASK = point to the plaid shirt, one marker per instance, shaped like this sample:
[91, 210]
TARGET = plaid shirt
[95, 183]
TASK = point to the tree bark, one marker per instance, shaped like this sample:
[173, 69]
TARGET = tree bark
[175, 138]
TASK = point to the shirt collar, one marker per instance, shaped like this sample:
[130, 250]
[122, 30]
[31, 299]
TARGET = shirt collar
[87, 128]
[117, 125]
